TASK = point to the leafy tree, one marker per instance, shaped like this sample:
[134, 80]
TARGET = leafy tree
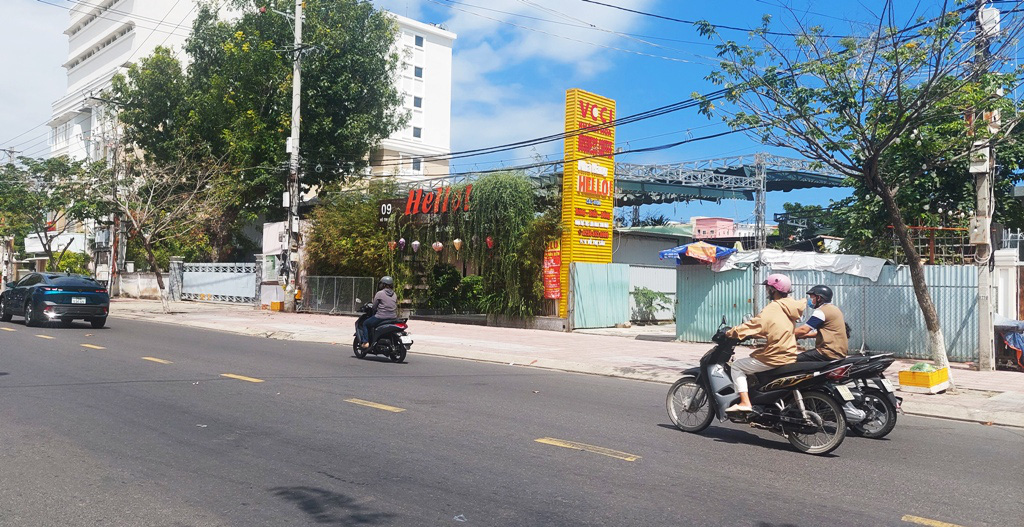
[860, 104]
[812, 217]
[161, 202]
[344, 237]
[234, 99]
[45, 198]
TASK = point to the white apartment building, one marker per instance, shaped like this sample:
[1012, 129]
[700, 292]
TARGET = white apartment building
[104, 36]
[426, 81]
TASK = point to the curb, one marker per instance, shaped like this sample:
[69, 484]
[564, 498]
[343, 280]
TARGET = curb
[936, 410]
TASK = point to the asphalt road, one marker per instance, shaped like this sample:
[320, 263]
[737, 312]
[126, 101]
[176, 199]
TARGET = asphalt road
[136, 425]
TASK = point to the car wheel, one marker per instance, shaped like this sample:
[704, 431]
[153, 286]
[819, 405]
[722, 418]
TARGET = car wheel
[4, 315]
[98, 323]
[30, 315]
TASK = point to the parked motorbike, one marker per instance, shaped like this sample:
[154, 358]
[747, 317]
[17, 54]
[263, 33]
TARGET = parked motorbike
[872, 405]
[791, 400]
[389, 338]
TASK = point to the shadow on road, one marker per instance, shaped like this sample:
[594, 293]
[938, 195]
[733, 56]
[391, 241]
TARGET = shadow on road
[733, 436]
[330, 508]
[2, 373]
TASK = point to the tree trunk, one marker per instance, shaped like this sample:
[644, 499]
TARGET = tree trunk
[936, 340]
[151, 258]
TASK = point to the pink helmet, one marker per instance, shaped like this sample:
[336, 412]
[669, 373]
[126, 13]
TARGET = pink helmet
[780, 282]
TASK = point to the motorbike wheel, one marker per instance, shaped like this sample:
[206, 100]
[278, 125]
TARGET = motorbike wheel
[398, 350]
[881, 416]
[688, 405]
[831, 425]
[357, 350]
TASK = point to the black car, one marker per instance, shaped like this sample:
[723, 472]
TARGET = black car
[49, 297]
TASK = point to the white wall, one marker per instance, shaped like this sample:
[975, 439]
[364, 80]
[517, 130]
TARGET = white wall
[642, 250]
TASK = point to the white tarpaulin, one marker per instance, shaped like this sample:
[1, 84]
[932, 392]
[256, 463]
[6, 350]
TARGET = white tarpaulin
[776, 260]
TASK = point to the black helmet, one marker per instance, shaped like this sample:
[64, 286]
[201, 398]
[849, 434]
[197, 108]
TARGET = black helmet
[388, 281]
[823, 291]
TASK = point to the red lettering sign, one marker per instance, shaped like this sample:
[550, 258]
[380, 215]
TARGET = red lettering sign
[439, 201]
[595, 146]
[594, 186]
[592, 129]
[593, 112]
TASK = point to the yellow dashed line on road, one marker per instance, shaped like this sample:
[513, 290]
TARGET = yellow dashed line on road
[925, 521]
[588, 448]
[8, 329]
[47, 337]
[92, 347]
[378, 406]
[154, 359]
[240, 377]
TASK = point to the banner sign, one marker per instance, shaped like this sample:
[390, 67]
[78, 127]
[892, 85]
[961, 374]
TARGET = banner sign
[423, 202]
[552, 271]
[588, 185]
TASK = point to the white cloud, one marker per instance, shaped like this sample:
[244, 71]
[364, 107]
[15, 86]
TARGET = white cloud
[32, 36]
[510, 52]
[500, 124]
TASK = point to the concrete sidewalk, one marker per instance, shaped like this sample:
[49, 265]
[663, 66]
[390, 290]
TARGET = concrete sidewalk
[644, 354]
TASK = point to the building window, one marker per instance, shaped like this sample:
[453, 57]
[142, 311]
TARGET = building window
[417, 132]
[417, 164]
[417, 102]
[419, 41]
[418, 72]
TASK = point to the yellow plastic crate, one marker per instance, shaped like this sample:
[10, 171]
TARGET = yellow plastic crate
[924, 381]
[277, 306]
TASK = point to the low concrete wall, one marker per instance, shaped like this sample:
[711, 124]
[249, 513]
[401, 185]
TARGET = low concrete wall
[140, 285]
[543, 323]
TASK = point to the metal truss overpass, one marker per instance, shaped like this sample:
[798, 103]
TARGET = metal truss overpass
[747, 177]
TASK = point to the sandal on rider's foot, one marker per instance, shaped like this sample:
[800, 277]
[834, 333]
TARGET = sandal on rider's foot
[738, 408]
[365, 345]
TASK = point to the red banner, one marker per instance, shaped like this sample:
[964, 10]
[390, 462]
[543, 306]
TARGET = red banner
[552, 268]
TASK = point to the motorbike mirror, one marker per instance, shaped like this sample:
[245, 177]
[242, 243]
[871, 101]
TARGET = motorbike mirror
[723, 320]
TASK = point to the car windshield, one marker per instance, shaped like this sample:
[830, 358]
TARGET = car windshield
[72, 281]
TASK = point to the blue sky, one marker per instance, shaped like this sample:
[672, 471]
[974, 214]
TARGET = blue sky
[513, 61]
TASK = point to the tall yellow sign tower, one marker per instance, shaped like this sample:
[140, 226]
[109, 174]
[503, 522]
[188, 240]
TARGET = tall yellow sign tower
[588, 184]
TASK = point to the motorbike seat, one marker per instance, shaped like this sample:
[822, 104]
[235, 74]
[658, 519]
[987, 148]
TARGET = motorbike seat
[392, 321]
[789, 369]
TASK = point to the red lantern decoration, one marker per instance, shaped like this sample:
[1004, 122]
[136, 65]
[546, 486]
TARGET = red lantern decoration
[392, 245]
[437, 246]
[490, 242]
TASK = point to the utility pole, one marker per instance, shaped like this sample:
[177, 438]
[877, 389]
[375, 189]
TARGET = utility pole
[10, 154]
[983, 166]
[293, 166]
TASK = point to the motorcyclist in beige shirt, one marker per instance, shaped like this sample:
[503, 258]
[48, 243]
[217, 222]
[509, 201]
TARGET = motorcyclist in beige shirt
[775, 324]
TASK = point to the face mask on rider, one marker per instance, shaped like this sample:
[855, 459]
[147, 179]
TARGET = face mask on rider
[810, 302]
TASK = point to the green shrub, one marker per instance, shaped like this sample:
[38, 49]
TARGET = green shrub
[471, 291]
[444, 280]
[71, 262]
[648, 302]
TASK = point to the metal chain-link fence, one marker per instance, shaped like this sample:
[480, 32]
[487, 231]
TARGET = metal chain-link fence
[336, 295]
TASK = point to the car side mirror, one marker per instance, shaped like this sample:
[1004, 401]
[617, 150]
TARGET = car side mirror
[9, 285]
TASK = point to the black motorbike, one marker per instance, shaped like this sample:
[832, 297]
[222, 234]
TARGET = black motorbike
[389, 338]
[791, 400]
[872, 405]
